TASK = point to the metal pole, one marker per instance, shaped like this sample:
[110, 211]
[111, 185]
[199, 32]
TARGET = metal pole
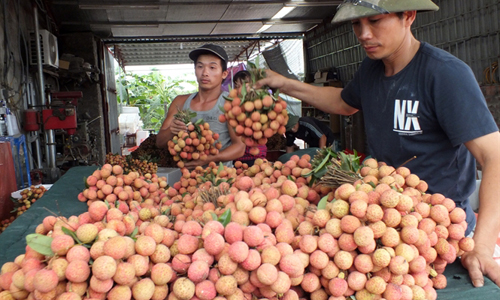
[50, 140]
[34, 137]
[50, 147]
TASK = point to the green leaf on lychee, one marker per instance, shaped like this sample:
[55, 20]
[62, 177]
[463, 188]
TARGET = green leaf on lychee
[40, 243]
[243, 92]
[322, 203]
[225, 218]
[134, 233]
[220, 169]
[107, 204]
[71, 234]
[85, 182]
[214, 216]
[276, 94]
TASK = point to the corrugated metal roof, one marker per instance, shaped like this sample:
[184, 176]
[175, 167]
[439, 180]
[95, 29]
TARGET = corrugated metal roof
[164, 31]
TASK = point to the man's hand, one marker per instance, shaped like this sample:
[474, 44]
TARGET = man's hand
[176, 126]
[273, 80]
[479, 263]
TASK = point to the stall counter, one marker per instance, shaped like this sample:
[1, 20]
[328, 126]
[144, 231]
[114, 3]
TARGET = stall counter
[62, 200]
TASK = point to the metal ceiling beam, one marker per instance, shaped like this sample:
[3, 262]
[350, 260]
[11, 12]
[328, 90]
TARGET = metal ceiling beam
[157, 23]
[200, 38]
[157, 5]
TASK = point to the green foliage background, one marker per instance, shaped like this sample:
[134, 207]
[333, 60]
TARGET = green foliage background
[151, 93]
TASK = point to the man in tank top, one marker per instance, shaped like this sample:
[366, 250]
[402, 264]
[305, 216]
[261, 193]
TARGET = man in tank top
[210, 62]
[418, 100]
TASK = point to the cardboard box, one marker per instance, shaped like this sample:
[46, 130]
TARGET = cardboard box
[173, 174]
[63, 64]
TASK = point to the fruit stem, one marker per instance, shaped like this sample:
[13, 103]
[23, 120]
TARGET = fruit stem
[407, 161]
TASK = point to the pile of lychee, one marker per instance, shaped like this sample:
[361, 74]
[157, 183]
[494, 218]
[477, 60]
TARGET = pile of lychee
[110, 184]
[131, 164]
[255, 117]
[28, 196]
[379, 237]
[196, 143]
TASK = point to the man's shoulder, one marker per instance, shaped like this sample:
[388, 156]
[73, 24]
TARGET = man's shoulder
[438, 55]
[306, 119]
[178, 102]
[181, 98]
[439, 62]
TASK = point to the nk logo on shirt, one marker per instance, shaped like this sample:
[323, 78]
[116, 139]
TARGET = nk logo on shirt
[406, 117]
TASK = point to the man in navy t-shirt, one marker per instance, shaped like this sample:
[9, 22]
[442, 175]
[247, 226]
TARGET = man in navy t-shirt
[420, 101]
[312, 131]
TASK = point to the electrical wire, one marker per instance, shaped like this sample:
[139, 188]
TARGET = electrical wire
[489, 73]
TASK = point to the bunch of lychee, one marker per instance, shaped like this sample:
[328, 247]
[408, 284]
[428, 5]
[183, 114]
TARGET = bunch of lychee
[196, 143]
[203, 178]
[28, 197]
[130, 164]
[255, 117]
[111, 185]
[394, 240]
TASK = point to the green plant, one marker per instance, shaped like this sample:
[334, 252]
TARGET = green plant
[152, 94]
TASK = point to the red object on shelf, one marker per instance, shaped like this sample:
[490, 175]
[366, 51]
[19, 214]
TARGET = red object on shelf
[74, 96]
[60, 118]
[31, 120]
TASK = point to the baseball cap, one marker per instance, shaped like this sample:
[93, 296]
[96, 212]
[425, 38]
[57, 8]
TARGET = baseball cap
[209, 48]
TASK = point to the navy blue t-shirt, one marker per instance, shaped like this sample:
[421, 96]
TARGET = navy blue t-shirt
[428, 110]
[310, 130]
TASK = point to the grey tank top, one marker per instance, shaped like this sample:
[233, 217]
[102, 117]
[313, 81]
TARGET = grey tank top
[212, 117]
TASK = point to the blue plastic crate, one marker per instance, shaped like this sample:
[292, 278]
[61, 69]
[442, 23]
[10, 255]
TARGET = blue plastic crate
[20, 157]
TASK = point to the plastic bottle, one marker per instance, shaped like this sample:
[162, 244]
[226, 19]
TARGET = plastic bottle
[12, 127]
[3, 127]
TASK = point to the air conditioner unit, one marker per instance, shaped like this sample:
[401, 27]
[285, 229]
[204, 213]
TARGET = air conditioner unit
[48, 47]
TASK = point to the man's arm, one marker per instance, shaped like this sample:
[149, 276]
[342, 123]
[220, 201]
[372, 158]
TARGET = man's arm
[170, 126]
[326, 98]
[290, 142]
[322, 141]
[480, 261]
